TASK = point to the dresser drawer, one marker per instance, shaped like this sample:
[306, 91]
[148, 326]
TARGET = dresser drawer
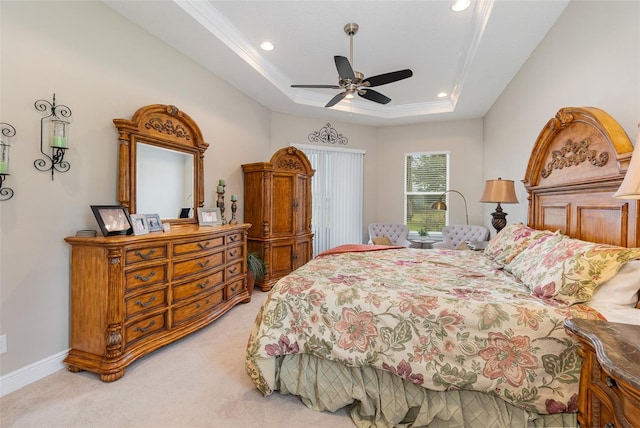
[197, 265]
[146, 276]
[145, 254]
[198, 308]
[234, 237]
[145, 327]
[235, 287]
[147, 301]
[197, 286]
[234, 253]
[235, 269]
[197, 246]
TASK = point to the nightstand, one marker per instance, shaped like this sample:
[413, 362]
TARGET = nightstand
[610, 375]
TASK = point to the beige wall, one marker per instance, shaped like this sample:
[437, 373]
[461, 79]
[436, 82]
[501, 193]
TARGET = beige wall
[102, 67]
[463, 139]
[590, 57]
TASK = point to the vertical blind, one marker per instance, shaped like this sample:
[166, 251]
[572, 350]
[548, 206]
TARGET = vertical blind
[337, 196]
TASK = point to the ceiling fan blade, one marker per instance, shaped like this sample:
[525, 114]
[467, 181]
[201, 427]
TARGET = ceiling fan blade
[335, 100]
[316, 86]
[383, 79]
[345, 71]
[372, 95]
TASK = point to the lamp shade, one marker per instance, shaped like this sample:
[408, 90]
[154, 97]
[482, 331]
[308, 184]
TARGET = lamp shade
[630, 187]
[499, 191]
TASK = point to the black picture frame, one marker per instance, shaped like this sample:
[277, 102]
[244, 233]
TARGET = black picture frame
[113, 219]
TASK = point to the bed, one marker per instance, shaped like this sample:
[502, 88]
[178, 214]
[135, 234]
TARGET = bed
[410, 337]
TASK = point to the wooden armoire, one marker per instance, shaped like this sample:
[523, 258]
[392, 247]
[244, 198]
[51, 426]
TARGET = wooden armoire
[277, 203]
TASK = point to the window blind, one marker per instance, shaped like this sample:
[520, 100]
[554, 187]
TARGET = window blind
[426, 178]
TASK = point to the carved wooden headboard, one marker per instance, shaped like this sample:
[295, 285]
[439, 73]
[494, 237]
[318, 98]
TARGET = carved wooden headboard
[578, 162]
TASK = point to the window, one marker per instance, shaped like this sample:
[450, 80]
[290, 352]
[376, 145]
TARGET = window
[426, 178]
[337, 196]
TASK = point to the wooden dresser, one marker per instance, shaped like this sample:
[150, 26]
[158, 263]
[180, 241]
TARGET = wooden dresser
[130, 295]
[277, 202]
[610, 376]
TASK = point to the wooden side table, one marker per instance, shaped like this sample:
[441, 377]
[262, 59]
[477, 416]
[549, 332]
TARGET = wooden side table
[610, 375]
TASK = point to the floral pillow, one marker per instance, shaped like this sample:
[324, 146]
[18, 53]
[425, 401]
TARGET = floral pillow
[568, 270]
[511, 241]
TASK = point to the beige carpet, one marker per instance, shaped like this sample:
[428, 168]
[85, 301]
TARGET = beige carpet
[199, 381]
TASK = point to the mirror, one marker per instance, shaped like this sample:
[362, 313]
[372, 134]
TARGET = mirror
[161, 164]
[165, 181]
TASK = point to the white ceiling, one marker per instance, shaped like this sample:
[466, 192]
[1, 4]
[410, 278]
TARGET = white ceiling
[471, 55]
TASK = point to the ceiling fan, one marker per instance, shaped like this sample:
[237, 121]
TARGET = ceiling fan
[354, 82]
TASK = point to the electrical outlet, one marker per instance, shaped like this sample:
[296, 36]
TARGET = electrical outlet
[3, 344]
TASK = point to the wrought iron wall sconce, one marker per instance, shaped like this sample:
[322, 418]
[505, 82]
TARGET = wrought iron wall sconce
[7, 131]
[55, 136]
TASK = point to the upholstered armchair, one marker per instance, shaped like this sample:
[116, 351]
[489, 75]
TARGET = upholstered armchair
[456, 234]
[397, 233]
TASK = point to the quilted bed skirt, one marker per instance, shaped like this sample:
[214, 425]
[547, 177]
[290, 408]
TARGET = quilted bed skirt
[382, 400]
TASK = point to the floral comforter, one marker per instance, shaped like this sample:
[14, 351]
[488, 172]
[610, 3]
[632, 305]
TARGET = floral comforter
[440, 319]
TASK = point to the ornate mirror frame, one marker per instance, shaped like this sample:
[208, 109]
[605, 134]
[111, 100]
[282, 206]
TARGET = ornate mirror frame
[162, 126]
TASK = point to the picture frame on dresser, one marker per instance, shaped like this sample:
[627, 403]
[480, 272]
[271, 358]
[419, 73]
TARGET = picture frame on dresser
[209, 216]
[140, 224]
[113, 219]
[153, 222]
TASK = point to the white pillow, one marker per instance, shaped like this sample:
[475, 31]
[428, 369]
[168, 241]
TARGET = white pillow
[619, 292]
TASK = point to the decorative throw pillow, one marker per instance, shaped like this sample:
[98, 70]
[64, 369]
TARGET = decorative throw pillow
[462, 246]
[568, 270]
[621, 291]
[511, 241]
[383, 240]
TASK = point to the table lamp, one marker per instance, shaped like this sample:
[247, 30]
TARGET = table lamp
[501, 192]
[630, 187]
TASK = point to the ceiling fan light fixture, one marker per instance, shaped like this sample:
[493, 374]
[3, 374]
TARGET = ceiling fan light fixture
[460, 5]
[354, 81]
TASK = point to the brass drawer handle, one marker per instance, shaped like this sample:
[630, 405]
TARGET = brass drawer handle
[201, 285]
[233, 269]
[234, 288]
[611, 383]
[233, 238]
[233, 252]
[143, 304]
[145, 256]
[609, 425]
[203, 246]
[145, 329]
[203, 264]
[145, 278]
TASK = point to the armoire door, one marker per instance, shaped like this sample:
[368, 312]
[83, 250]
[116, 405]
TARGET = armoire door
[284, 212]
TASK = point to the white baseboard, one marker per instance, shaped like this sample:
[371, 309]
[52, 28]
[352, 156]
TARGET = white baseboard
[31, 373]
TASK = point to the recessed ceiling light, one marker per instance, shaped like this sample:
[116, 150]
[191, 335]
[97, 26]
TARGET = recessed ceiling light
[267, 46]
[442, 94]
[460, 5]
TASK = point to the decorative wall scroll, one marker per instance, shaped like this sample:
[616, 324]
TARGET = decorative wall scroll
[573, 154]
[328, 134]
